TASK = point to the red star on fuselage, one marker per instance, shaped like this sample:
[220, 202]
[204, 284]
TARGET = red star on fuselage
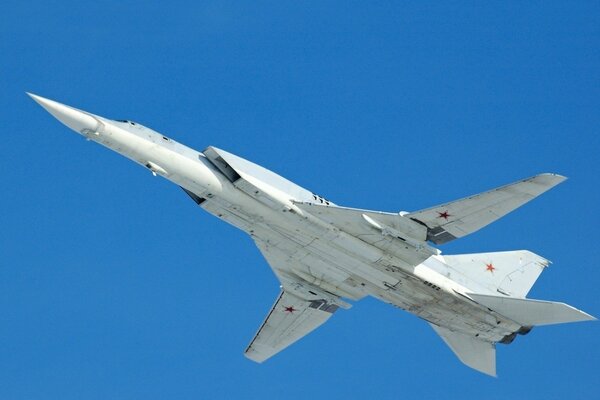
[444, 215]
[289, 309]
[490, 267]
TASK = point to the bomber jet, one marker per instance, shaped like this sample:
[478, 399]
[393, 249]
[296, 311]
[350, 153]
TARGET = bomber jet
[327, 255]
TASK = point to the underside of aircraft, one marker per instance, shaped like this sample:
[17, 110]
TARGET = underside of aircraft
[326, 256]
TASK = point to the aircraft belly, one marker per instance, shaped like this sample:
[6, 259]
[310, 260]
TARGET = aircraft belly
[300, 263]
[351, 268]
[232, 215]
[444, 309]
[321, 252]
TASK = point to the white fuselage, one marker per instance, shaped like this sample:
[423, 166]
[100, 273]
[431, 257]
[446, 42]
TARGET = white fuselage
[323, 255]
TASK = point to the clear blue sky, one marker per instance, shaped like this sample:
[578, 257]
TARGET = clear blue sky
[113, 284]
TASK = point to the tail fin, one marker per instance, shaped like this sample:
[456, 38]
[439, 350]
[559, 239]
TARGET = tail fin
[530, 312]
[512, 273]
[475, 353]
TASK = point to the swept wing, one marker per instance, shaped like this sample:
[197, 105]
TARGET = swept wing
[299, 309]
[459, 218]
[290, 319]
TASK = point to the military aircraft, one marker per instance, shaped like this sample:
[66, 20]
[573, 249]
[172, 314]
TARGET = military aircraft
[325, 255]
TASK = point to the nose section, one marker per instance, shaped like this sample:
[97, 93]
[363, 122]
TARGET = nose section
[80, 121]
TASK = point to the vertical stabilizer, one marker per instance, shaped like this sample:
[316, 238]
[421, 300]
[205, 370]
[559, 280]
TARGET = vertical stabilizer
[511, 273]
[473, 352]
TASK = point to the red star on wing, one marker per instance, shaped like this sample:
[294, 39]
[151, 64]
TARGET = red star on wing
[289, 309]
[444, 215]
[490, 267]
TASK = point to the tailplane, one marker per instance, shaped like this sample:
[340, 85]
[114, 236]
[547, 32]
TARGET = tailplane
[530, 312]
[480, 354]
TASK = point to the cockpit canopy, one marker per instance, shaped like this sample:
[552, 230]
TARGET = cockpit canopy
[125, 121]
[141, 128]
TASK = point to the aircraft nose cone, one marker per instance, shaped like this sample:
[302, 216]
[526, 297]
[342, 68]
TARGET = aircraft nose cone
[73, 118]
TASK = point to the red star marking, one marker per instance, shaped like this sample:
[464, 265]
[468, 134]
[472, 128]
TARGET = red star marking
[490, 267]
[444, 215]
[289, 309]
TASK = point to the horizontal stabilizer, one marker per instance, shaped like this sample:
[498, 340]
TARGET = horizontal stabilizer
[475, 353]
[530, 312]
[459, 218]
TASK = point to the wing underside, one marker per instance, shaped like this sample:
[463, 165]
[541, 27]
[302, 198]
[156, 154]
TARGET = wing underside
[290, 319]
[459, 218]
[299, 309]
[392, 233]
[439, 224]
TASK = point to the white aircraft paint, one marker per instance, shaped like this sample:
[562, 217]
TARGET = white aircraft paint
[323, 253]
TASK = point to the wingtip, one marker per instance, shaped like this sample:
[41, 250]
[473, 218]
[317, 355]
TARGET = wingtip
[589, 316]
[548, 179]
[554, 176]
[491, 372]
[251, 355]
